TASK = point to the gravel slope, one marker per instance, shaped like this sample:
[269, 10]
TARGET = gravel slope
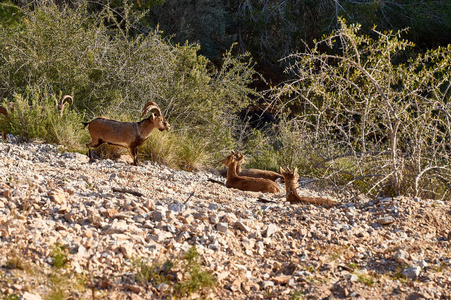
[108, 214]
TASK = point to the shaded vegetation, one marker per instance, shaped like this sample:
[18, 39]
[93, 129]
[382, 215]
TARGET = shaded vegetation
[360, 107]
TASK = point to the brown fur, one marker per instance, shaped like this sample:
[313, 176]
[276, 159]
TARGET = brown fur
[4, 111]
[291, 183]
[246, 183]
[126, 134]
[256, 173]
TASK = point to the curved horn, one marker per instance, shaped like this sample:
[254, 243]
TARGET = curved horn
[150, 106]
[70, 101]
[62, 103]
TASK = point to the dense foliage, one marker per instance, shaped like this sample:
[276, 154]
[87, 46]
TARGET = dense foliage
[360, 107]
[272, 30]
[375, 117]
[114, 73]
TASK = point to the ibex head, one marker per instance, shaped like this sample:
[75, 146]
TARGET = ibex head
[158, 119]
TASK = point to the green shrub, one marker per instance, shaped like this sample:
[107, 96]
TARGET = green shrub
[160, 147]
[377, 118]
[59, 256]
[197, 279]
[184, 276]
[35, 116]
[113, 73]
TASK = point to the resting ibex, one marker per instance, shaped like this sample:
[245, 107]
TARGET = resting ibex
[126, 134]
[246, 183]
[291, 183]
[256, 173]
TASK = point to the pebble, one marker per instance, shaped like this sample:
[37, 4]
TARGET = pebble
[386, 220]
[255, 249]
[412, 272]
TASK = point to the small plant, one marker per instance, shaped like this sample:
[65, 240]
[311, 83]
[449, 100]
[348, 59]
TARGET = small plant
[366, 279]
[152, 273]
[353, 265]
[62, 282]
[184, 276]
[440, 268]
[160, 148]
[15, 262]
[311, 269]
[59, 257]
[56, 294]
[297, 295]
[197, 279]
[191, 153]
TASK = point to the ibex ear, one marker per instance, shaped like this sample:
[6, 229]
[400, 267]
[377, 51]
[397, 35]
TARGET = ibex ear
[295, 170]
[281, 170]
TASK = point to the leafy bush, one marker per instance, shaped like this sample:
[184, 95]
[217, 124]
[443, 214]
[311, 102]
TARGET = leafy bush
[378, 119]
[35, 115]
[112, 72]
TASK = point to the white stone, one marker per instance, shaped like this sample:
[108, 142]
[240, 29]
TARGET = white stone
[271, 229]
[412, 272]
[386, 220]
[28, 296]
[222, 227]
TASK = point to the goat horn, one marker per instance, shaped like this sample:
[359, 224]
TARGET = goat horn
[150, 106]
[70, 101]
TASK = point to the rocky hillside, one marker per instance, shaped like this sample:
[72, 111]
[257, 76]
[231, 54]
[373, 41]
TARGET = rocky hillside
[104, 230]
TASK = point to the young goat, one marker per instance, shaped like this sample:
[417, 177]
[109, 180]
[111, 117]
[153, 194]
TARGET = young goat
[255, 173]
[291, 183]
[246, 183]
[126, 134]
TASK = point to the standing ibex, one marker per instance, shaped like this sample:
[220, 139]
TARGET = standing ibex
[126, 134]
[291, 183]
[246, 183]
